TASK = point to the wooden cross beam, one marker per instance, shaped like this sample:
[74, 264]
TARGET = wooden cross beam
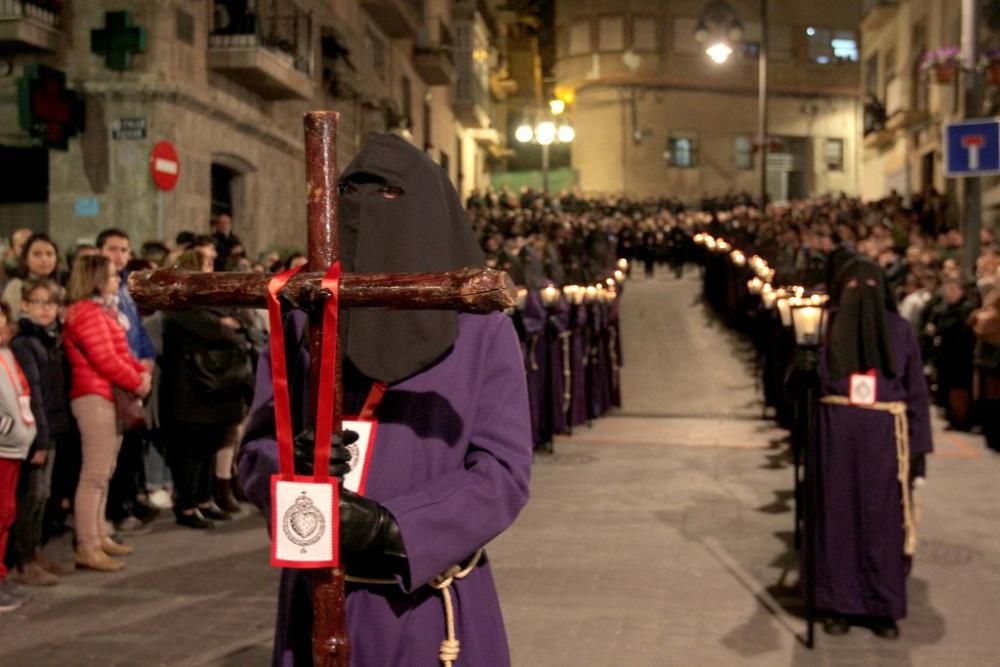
[470, 290]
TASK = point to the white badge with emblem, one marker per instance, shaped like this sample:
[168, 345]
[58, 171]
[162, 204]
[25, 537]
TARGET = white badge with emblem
[864, 389]
[303, 514]
[361, 453]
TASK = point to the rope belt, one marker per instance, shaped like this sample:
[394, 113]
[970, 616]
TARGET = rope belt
[567, 340]
[448, 652]
[898, 410]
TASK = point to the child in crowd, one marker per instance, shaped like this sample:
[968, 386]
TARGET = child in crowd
[17, 432]
[38, 349]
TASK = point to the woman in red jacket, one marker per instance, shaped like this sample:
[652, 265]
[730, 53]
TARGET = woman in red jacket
[99, 359]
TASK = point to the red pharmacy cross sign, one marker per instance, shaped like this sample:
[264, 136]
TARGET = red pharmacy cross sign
[165, 166]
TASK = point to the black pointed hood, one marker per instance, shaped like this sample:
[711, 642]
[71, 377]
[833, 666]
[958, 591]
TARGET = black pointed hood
[860, 338]
[399, 213]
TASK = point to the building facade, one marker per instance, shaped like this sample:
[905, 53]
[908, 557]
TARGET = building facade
[226, 83]
[907, 103]
[655, 116]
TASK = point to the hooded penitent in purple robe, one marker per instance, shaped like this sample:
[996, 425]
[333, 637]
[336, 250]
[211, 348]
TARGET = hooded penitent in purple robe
[452, 454]
[578, 324]
[533, 323]
[861, 566]
[451, 462]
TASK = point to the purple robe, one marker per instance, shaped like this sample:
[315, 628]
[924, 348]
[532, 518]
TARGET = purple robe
[451, 462]
[578, 410]
[861, 568]
[533, 320]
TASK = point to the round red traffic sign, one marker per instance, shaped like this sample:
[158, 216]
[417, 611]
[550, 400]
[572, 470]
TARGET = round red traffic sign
[165, 165]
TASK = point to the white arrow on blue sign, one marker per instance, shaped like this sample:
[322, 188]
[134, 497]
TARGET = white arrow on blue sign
[972, 147]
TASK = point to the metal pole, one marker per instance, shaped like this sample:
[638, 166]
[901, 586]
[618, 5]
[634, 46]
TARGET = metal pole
[545, 169]
[972, 210]
[762, 103]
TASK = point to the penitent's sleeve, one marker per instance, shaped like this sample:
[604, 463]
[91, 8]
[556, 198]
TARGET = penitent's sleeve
[452, 516]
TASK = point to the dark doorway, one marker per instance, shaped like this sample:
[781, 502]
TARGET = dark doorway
[223, 180]
[927, 171]
[24, 189]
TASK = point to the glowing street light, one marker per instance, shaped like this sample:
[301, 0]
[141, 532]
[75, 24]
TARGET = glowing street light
[566, 134]
[546, 132]
[557, 106]
[719, 52]
[524, 134]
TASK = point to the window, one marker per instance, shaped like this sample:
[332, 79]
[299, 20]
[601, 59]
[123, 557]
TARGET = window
[831, 46]
[611, 33]
[375, 50]
[579, 37]
[185, 27]
[744, 153]
[833, 154]
[644, 34]
[682, 150]
[406, 92]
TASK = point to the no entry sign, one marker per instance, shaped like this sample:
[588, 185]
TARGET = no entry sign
[165, 165]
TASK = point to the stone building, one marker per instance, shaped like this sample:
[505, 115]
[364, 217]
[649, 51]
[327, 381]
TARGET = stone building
[226, 82]
[907, 104]
[654, 115]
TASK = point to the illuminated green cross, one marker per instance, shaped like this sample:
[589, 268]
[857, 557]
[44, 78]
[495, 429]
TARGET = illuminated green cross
[118, 40]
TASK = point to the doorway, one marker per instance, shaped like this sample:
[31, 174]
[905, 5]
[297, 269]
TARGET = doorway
[24, 189]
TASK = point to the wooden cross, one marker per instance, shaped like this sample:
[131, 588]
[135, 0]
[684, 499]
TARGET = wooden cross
[469, 290]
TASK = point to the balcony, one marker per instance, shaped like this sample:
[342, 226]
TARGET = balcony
[899, 108]
[876, 13]
[432, 54]
[269, 52]
[29, 26]
[399, 19]
[472, 103]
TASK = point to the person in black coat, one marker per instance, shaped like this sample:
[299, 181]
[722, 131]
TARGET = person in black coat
[38, 350]
[205, 389]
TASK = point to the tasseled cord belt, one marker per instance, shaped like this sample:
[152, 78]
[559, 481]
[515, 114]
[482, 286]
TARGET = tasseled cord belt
[448, 653]
[898, 410]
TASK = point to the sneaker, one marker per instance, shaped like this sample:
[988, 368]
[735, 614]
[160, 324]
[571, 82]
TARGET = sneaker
[12, 589]
[9, 603]
[133, 526]
[161, 499]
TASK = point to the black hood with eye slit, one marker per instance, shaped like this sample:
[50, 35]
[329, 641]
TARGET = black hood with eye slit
[859, 331]
[420, 227]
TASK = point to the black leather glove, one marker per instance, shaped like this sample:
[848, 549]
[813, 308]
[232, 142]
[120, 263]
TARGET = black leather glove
[370, 541]
[340, 454]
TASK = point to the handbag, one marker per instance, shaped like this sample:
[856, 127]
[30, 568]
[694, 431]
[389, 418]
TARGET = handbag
[128, 410]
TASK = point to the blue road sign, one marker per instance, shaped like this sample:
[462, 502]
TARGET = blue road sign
[972, 147]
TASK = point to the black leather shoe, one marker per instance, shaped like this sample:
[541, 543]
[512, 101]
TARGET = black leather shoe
[194, 520]
[214, 512]
[836, 626]
[886, 628]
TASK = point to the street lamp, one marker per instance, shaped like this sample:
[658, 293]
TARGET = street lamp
[719, 27]
[545, 134]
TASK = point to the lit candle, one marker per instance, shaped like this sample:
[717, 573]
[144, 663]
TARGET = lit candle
[619, 276]
[550, 295]
[808, 321]
[590, 294]
[785, 311]
[739, 259]
[755, 285]
[522, 297]
[623, 264]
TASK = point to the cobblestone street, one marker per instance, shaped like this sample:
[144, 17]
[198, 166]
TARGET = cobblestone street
[659, 536]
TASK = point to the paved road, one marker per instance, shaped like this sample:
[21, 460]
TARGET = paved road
[657, 537]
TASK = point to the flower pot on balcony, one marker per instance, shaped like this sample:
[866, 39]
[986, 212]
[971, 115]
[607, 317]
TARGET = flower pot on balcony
[944, 73]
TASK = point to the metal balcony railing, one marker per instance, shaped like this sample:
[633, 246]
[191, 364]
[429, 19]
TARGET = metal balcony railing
[280, 26]
[41, 11]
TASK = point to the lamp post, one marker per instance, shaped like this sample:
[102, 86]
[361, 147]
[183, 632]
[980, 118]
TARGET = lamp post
[719, 28]
[546, 133]
[808, 316]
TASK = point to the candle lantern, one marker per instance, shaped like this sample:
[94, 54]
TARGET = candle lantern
[550, 295]
[809, 321]
[522, 297]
